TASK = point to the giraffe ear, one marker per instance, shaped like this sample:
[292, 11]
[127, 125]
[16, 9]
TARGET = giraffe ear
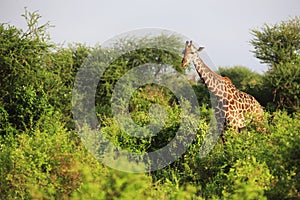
[200, 48]
[186, 43]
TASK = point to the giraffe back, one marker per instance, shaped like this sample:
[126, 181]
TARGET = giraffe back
[239, 106]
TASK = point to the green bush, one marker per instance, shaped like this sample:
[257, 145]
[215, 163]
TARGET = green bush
[247, 179]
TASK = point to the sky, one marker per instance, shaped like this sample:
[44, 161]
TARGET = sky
[223, 27]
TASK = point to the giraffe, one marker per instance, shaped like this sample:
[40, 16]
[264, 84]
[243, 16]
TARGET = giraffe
[231, 106]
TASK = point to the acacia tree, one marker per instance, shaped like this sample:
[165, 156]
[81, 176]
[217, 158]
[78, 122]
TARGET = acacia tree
[278, 46]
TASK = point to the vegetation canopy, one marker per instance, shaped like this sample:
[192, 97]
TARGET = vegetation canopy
[42, 157]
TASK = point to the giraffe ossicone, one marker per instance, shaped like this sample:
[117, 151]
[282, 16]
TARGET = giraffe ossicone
[231, 106]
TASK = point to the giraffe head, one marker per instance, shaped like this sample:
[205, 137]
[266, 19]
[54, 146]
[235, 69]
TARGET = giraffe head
[190, 51]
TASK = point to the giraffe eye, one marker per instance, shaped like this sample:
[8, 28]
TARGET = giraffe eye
[192, 52]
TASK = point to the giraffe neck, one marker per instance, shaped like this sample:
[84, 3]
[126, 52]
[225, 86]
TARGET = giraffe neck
[214, 82]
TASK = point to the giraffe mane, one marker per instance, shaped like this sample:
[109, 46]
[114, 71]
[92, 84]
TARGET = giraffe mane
[227, 79]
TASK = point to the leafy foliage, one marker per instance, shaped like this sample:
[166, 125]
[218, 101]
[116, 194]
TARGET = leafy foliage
[22, 59]
[284, 80]
[278, 46]
[278, 43]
